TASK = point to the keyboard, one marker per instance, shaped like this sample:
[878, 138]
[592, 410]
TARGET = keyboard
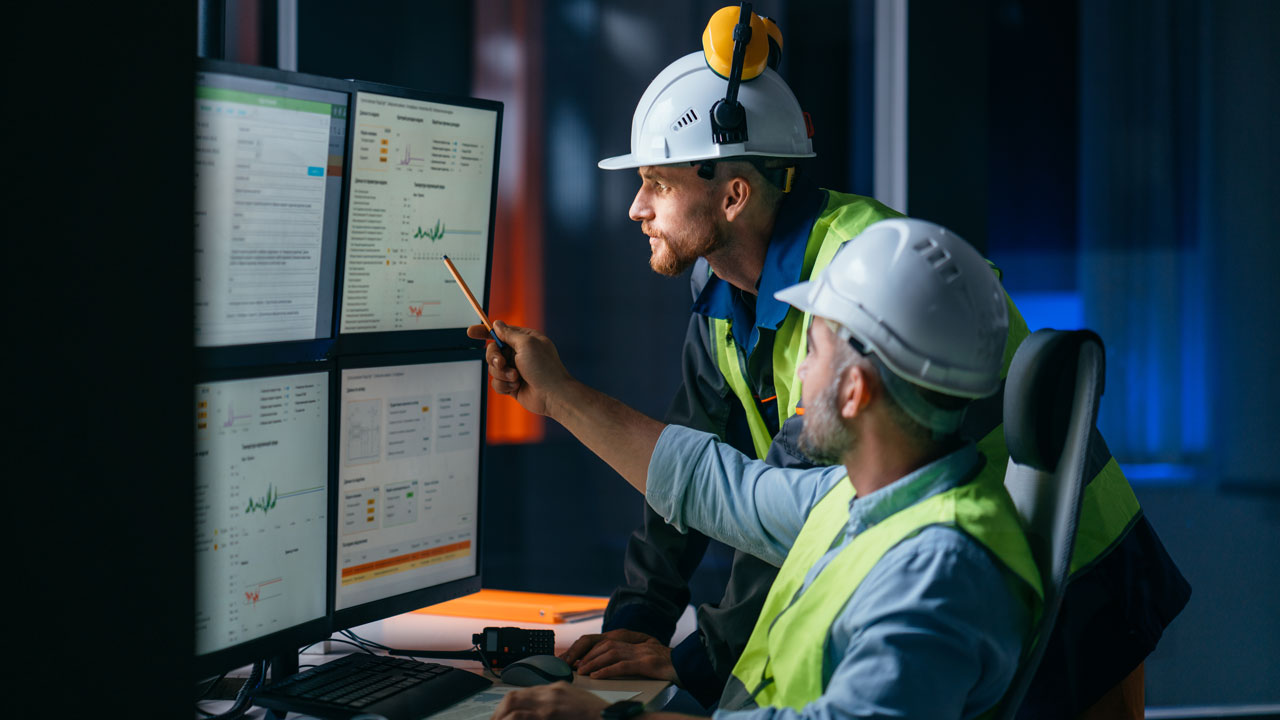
[396, 688]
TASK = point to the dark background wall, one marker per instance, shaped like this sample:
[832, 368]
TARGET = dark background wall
[97, 358]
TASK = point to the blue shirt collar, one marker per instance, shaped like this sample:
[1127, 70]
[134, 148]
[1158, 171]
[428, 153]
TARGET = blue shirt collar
[783, 263]
[945, 473]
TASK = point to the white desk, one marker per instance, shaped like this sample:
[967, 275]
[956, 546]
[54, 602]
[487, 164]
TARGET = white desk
[413, 631]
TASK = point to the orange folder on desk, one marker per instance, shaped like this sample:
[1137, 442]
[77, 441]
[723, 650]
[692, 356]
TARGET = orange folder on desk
[515, 606]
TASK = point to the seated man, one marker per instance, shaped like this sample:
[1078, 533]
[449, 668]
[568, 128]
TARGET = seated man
[906, 588]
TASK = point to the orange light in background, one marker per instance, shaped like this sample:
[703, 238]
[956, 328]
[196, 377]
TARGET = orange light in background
[507, 60]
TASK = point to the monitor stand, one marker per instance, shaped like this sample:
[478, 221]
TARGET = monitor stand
[282, 666]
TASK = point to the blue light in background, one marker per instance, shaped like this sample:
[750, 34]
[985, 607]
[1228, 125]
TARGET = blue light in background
[1158, 473]
[1064, 310]
[1060, 310]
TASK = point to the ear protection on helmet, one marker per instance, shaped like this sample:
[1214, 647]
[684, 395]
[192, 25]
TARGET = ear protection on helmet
[738, 46]
[719, 41]
[738, 51]
[687, 114]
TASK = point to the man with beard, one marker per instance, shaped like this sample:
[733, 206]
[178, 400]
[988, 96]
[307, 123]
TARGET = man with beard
[906, 588]
[749, 225]
[728, 202]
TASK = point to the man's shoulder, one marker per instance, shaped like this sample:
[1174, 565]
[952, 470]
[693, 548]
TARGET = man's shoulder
[938, 561]
[943, 545]
[851, 213]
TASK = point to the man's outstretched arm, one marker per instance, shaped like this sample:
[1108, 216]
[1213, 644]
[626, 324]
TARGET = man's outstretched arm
[621, 436]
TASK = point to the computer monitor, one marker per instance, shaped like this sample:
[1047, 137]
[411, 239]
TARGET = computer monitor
[270, 149]
[424, 179]
[407, 510]
[262, 475]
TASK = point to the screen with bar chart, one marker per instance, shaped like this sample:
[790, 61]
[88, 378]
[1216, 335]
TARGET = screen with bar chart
[261, 519]
[423, 178]
[269, 166]
[408, 479]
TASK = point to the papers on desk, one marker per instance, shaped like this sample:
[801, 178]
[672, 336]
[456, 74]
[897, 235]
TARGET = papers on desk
[515, 606]
[482, 705]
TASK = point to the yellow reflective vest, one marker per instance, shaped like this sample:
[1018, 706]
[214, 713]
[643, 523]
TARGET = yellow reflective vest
[1109, 507]
[782, 663]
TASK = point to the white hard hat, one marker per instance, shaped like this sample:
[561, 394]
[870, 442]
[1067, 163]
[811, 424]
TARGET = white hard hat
[921, 299]
[672, 123]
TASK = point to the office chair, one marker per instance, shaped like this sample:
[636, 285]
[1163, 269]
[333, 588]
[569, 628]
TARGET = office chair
[1050, 406]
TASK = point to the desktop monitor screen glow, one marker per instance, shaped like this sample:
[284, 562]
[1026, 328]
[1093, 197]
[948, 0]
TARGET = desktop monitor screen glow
[423, 179]
[261, 515]
[269, 166]
[408, 487]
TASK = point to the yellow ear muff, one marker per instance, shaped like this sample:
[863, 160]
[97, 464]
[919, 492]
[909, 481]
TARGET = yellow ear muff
[717, 43]
[775, 42]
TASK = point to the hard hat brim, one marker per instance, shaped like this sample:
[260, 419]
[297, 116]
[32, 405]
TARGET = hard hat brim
[730, 152]
[619, 162]
[797, 296]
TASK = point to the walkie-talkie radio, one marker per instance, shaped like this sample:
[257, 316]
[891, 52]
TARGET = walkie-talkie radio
[502, 646]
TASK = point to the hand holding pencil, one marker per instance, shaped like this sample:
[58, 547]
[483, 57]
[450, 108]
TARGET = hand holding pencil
[539, 355]
[472, 299]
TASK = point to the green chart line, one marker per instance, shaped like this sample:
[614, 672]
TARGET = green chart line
[265, 504]
[434, 233]
[439, 231]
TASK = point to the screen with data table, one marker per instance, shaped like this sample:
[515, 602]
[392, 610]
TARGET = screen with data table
[269, 167]
[262, 470]
[408, 478]
[423, 177]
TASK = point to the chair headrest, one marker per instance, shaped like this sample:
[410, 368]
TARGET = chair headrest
[1038, 395]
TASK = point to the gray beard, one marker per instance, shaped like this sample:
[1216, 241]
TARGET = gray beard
[824, 439]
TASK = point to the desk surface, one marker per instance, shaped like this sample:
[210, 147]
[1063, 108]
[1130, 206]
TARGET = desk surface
[413, 631]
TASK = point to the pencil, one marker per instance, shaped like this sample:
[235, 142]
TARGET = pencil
[472, 299]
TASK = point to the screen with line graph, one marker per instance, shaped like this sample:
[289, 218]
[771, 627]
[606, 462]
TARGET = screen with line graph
[422, 184]
[408, 478]
[261, 506]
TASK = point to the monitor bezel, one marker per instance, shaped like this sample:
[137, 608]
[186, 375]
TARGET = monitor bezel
[286, 640]
[288, 351]
[413, 340]
[405, 602]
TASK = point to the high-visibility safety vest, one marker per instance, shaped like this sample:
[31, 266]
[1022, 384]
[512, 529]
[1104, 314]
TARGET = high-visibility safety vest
[840, 221]
[1109, 507]
[782, 663]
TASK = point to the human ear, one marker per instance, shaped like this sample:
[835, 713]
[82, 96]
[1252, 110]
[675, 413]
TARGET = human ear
[736, 194]
[855, 391]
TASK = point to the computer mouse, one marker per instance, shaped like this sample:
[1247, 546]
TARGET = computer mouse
[537, 670]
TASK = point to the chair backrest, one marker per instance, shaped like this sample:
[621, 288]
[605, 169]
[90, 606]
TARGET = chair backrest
[1050, 407]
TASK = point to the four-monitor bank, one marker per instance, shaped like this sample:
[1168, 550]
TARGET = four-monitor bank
[339, 406]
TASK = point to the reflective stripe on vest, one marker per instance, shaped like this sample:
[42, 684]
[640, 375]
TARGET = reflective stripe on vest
[730, 362]
[843, 218]
[782, 665]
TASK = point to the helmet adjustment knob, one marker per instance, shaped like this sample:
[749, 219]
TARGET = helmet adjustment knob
[728, 122]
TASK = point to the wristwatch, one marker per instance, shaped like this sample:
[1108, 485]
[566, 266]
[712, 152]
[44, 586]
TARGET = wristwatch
[622, 710]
